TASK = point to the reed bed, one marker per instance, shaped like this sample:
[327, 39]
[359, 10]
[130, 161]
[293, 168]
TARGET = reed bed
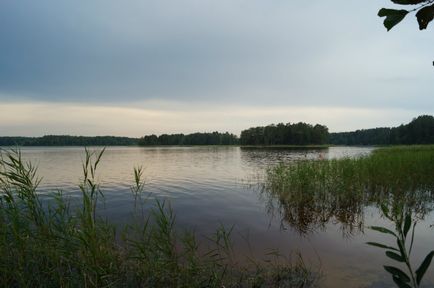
[55, 245]
[312, 192]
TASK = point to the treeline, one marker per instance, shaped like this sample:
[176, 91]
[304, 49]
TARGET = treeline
[419, 131]
[214, 138]
[66, 140]
[286, 134]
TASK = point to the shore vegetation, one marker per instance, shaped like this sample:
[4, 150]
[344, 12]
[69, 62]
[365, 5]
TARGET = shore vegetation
[48, 242]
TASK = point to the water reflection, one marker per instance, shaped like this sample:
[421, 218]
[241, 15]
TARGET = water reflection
[207, 186]
[312, 214]
[274, 155]
[308, 195]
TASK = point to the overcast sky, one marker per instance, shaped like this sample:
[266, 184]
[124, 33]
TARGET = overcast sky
[157, 66]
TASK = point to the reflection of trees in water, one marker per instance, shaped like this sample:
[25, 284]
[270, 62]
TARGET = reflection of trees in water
[310, 194]
[308, 212]
[263, 155]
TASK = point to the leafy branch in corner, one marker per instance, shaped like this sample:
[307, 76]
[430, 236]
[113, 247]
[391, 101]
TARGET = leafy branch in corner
[424, 13]
[403, 224]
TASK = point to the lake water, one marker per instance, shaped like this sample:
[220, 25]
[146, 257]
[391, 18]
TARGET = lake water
[210, 186]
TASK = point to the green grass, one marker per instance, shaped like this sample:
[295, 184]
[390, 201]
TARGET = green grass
[312, 192]
[60, 246]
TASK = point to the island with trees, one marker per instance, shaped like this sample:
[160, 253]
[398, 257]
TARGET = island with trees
[286, 134]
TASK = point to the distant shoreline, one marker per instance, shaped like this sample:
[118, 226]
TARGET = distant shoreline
[299, 135]
[190, 145]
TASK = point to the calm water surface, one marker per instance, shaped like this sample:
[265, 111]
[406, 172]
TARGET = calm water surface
[209, 186]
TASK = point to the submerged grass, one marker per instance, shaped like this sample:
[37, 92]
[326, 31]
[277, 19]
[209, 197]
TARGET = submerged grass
[312, 192]
[60, 246]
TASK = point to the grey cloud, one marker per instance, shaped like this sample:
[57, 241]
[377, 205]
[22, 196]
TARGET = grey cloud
[255, 52]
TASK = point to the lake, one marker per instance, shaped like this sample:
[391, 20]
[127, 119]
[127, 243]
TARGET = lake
[212, 186]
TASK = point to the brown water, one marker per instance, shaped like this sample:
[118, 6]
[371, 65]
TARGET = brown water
[209, 186]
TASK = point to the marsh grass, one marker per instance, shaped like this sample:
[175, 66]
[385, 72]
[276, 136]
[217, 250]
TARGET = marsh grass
[313, 192]
[58, 246]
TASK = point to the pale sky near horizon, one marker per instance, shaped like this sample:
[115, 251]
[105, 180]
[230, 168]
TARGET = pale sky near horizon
[131, 68]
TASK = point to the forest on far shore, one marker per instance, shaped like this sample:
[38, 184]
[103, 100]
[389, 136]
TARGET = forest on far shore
[419, 131]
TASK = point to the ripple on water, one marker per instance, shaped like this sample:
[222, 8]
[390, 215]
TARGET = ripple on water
[209, 186]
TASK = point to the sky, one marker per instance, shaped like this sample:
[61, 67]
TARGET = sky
[137, 67]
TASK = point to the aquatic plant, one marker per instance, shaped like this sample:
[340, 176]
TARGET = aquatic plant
[52, 243]
[404, 223]
[310, 193]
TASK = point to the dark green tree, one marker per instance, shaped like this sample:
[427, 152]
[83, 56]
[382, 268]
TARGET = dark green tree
[214, 138]
[419, 131]
[285, 134]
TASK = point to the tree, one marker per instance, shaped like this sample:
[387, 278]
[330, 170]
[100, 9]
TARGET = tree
[419, 131]
[285, 134]
[424, 13]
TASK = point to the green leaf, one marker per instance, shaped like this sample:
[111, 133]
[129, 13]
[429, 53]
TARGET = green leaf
[407, 224]
[424, 16]
[385, 209]
[393, 17]
[397, 273]
[401, 246]
[423, 267]
[395, 256]
[412, 238]
[408, 2]
[381, 246]
[382, 230]
[400, 283]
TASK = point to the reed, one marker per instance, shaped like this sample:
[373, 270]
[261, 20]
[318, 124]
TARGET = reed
[397, 180]
[312, 192]
[55, 245]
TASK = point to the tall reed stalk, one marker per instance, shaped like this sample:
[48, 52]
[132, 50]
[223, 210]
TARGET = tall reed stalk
[312, 192]
[49, 244]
